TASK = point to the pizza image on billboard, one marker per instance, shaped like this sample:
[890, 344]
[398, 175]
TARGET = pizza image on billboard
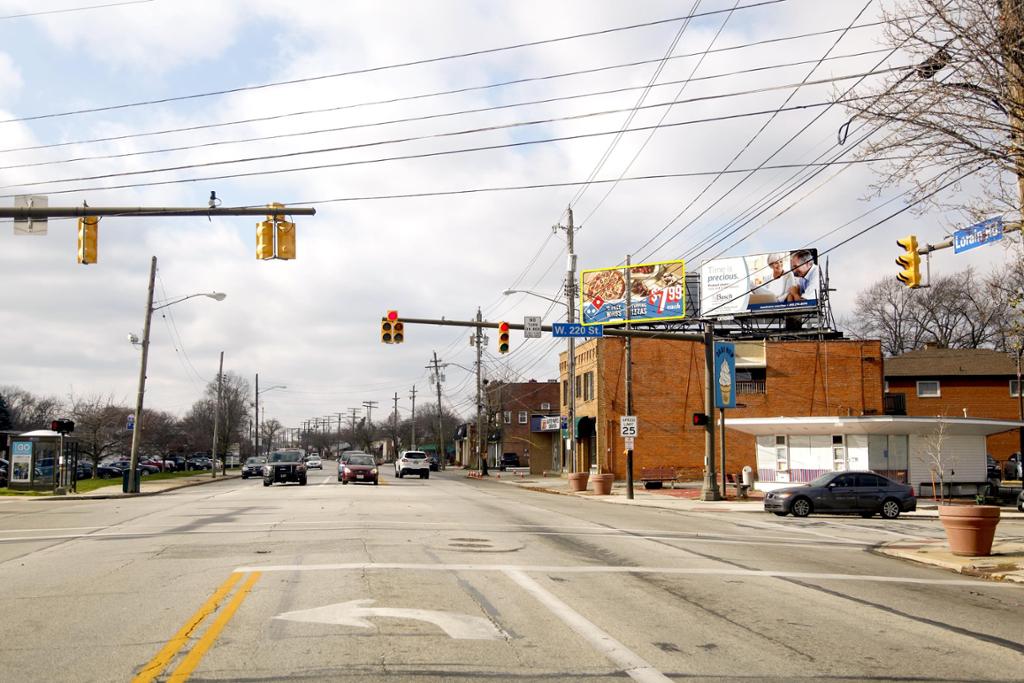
[764, 283]
[657, 292]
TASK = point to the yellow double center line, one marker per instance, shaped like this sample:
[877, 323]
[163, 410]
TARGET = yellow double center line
[191, 660]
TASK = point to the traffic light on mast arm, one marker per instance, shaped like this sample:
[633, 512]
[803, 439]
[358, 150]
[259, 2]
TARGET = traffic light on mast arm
[503, 337]
[265, 240]
[392, 330]
[285, 240]
[909, 261]
[88, 239]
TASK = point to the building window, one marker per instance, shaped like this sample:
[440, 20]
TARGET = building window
[523, 417]
[928, 389]
[565, 392]
[781, 454]
[545, 406]
[508, 417]
[579, 387]
[588, 386]
[1014, 388]
[885, 386]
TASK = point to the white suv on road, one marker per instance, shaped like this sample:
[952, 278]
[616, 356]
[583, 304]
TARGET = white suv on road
[413, 462]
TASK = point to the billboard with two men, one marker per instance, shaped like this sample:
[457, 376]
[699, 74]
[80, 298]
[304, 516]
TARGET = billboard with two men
[780, 282]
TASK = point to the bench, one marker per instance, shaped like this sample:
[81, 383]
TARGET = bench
[655, 477]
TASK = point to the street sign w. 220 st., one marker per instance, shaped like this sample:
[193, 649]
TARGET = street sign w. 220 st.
[576, 330]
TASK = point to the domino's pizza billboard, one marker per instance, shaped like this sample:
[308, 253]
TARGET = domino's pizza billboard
[658, 292]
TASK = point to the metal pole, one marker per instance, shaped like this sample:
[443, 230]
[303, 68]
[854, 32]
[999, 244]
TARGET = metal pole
[216, 413]
[256, 445]
[629, 373]
[412, 435]
[27, 212]
[721, 438]
[570, 317]
[481, 439]
[137, 429]
[394, 425]
[709, 490]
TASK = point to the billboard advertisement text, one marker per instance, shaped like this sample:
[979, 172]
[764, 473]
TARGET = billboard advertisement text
[764, 283]
[658, 292]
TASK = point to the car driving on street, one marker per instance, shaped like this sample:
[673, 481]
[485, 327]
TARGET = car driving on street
[314, 462]
[413, 462]
[846, 493]
[360, 467]
[284, 466]
[253, 467]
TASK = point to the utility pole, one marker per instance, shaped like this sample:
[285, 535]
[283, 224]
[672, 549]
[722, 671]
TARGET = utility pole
[709, 490]
[436, 366]
[369, 405]
[338, 442]
[412, 436]
[133, 473]
[629, 372]
[394, 427]
[570, 317]
[216, 413]
[481, 438]
[257, 440]
[352, 412]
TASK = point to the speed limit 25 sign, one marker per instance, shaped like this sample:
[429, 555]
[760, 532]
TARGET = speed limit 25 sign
[627, 425]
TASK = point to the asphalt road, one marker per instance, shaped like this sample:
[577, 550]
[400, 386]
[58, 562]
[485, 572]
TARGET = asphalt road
[455, 579]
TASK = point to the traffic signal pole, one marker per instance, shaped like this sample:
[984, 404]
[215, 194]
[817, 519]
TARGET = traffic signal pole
[709, 490]
[37, 213]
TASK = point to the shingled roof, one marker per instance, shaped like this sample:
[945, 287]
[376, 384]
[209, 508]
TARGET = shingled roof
[935, 362]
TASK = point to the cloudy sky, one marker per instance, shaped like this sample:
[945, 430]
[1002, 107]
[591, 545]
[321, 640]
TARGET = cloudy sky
[312, 324]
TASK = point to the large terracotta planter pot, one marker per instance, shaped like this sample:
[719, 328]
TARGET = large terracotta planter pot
[970, 528]
[578, 481]
[603, 483]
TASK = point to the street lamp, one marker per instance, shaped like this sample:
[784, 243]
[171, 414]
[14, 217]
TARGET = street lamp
[137, 429]
[570, 302]
[256, 445]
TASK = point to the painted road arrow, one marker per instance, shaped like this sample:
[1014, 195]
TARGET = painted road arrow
[354, 613]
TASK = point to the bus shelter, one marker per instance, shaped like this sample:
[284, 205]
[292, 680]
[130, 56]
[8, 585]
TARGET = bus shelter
[42, 460]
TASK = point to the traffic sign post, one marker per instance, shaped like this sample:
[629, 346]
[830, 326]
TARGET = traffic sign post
[627, 425]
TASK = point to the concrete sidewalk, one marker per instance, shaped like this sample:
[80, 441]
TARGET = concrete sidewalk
[684, 498]
[147, 488]
[1006, 562]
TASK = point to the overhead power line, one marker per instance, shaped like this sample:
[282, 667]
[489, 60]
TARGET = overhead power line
[75, 9]
[428, 117]
[361, 162]
[385, 67]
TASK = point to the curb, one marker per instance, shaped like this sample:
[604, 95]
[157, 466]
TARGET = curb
[1014, 576]
[144, 494]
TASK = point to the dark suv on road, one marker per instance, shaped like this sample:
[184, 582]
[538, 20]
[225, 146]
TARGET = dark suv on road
[843, 493]
[284, 466]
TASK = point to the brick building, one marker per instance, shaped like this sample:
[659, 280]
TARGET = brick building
[792, 378]
[516, 412]
[957, 382]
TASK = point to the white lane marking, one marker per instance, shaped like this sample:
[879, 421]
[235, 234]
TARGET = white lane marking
[326, 481]
[612, 569]
[270, 527]
[355, 613]
[857, 527]
[633, 664]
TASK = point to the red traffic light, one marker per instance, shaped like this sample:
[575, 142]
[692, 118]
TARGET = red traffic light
[392, 316]
[700, 420]
[503, 327]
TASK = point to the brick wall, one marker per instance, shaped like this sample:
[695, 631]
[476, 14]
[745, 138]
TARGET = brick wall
[803, 378]
[987, 397]
[515, 437]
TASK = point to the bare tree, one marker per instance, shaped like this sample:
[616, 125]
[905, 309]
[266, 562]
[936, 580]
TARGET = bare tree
[28, 411]
[100, 425]
[268, 430]
[958, 109]
[932, 457]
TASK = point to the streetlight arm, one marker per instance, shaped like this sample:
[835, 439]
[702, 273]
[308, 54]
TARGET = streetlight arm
[216, 296]
[525, 291]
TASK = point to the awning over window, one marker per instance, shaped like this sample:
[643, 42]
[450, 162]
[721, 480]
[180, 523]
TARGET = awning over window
[460, 432]
[585, 427]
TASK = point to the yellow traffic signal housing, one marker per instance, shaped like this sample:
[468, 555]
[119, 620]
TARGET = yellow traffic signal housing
[392, 330]
[503, 344]
[88, 239]
[387, 331]
[285, 240]
[265, 240]
[909, 261]
[399, 331]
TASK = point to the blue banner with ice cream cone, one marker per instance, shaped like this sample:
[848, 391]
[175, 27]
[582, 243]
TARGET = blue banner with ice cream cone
[725, 375]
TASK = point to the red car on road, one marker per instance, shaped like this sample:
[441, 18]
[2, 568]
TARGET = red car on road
[359, 467]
